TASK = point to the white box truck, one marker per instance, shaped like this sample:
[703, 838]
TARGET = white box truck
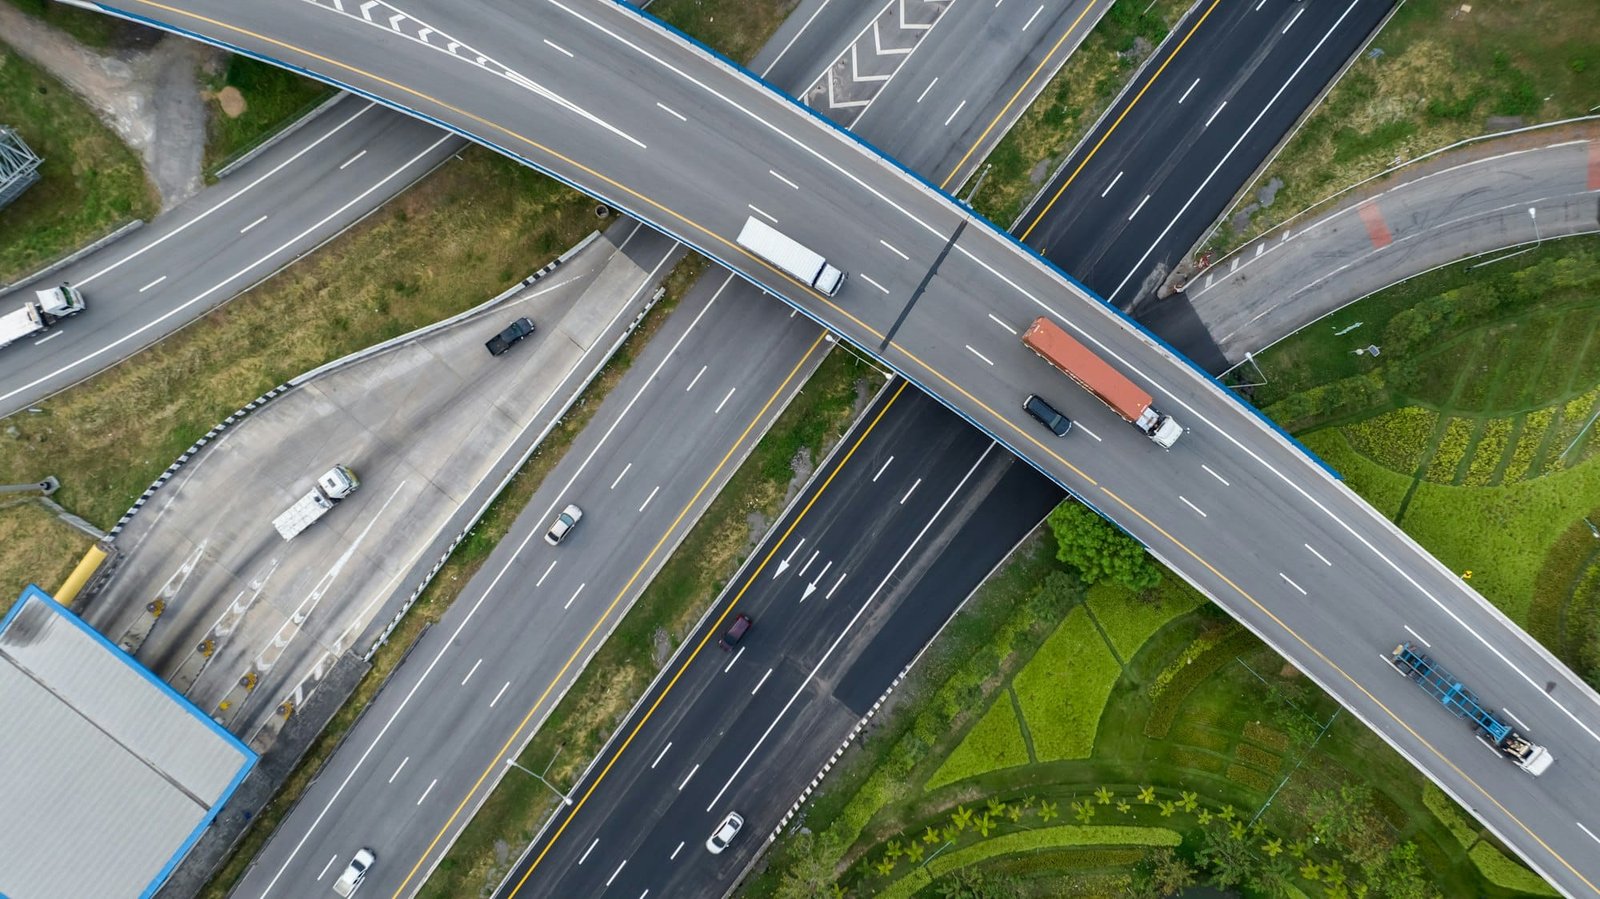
[790, 255]
[38, 314]
[338, 483]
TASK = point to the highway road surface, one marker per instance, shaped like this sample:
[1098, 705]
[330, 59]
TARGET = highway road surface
[297, 194]
[1235, 508]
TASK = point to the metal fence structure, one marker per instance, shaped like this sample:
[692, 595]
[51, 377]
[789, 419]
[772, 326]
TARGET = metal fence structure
[19, 166]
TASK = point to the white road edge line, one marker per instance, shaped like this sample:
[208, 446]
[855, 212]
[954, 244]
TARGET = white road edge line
[810, 676]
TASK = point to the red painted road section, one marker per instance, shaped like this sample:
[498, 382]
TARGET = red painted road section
[1376, 229]
[1594, 165]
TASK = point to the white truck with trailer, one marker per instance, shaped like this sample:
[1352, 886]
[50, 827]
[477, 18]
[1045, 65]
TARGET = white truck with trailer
[38, 314]
[790, 255]
[336, 484]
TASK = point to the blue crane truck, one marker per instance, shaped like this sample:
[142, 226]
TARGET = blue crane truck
[1443, 686]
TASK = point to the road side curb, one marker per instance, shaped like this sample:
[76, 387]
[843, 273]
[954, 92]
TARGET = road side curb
[250, 155]
[120, 232]
[254, 405]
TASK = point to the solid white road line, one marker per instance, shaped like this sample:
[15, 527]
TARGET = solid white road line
[724, 402]
[616, 872]
[911, 491]
[686, 779]
[661, 756]
[1214, 474]
[979, 355]
[1319, 555]
[1139, 207]
[1002, 324]
[1032, 17]
[895, 251]
[761, 213]
[1192, 86]
[152, 283]
[868, 278]
[252, 224]
[550, 569]
[503, 688]
[732, 660]
[336, 858]
[652, 496]
[1111, 185]
[1417, 635]
[472, 672]
[399, 769]
[882, 470]
[1293, 20]
[585, 856]
[575, 594]
[1292, 584]
[1215, 114]
[954, 113]
[614, 484]
[762, 681]
[427, 791]
[783, 179]
[351, 161]
[1193, 506]
[675, 852]
[696, 379]
[926, 89]
[672, 112]
[871, 598]
[559, 49]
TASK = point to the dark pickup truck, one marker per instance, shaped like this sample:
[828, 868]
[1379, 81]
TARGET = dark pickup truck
[514, 332]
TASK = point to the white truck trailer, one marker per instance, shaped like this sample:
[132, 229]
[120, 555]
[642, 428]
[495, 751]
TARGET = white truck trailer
[338, 483]
[38, 314]
[790, 255]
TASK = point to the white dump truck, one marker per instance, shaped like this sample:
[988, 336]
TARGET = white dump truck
[38, 314]
[790, 255]
[338, 483]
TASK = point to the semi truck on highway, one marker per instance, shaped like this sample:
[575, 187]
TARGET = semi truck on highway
[1095, 375]
[1453, 695]
[790, 255]
[38, 314]
[338, 483]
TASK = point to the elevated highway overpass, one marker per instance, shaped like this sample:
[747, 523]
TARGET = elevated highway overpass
[598, 96]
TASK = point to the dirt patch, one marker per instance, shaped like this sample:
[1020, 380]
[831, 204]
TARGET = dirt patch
[660, 646]
[231, 101]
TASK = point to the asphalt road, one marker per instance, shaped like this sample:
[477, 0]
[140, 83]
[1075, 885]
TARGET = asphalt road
[1166, 159]
[871, 560]
[296, 195]
[1271, 536]
[1426, 217]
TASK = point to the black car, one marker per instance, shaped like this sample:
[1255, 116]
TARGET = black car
[514, 332]
[736, 632]
[1058, 424]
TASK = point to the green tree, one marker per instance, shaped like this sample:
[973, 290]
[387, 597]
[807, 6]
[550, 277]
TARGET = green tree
[1098, 550]
[972, 883]
[1165, 872]
[1227, 857]
[810, 870]
[1348, 817]
[1403, 877]
[1274, 878]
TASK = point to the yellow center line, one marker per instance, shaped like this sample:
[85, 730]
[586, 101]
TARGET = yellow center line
[926, 367]
[516, 734]
[944, 185]
[706, 638]
[1136, 97]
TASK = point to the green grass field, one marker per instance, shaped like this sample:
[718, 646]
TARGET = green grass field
[273, 97]
[1443, 73]
[90, 182]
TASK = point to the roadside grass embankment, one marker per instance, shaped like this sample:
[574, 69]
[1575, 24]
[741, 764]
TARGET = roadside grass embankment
[436, 250]
[1439, 72]
[660, 619]
[92, 29]
[90, 181]
[735, 28]
[248, 102]
[1063, 112]
[39, 548]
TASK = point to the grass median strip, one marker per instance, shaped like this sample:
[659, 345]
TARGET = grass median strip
[250, 100]
[89, 183]
[660, 619]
